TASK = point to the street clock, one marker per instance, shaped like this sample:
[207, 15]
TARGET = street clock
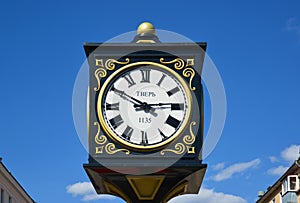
[145, 117]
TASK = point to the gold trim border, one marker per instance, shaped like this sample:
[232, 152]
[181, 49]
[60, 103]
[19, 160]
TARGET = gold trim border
[111, 134]
[179, 64]
[114, 190]
[148, 185]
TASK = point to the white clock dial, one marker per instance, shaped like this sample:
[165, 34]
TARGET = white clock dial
[145, 107]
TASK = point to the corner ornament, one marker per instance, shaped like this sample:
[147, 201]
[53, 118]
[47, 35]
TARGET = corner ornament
[187, 72]
[178, 63]
[106, 146]
[110, 64]
[103, 67]
[188, 140]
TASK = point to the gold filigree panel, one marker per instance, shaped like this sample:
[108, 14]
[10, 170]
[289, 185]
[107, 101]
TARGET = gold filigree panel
[103, 67]
[179, 148]
[187, 72]
[185, 145]
[178, 63]
[104, 145]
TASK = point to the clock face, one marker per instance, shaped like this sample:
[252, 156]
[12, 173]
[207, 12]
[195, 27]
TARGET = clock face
[145, 106]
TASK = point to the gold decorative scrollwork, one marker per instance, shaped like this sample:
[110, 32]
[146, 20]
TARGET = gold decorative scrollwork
[110, 64]
[178, 63]
[179, 149]
[99, 150]
[190, 139]
[99, 62]
[189, 62]
[99, 73]
[191, 150]
[101, 140]
[109, 148]
[98, 128]
[186, 146]
[189, 72]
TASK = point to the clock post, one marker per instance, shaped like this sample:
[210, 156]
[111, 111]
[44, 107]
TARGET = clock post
[145, 118]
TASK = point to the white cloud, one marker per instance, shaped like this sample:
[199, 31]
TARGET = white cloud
[273, 159]
[277, 170]
[209, 196]
[291, 153]
[80, 188]
[218, 166]
[293, 26]
[86, 190]
[90, 197]
[235, 168]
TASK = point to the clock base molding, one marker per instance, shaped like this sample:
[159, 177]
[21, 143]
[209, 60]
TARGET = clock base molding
[158, 187]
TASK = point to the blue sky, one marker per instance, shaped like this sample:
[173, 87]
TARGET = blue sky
[255, 45]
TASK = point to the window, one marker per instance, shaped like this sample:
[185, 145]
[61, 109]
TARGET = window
[290, 197]
[9, 199]
[299, 181]
[2, 196]
[274, 201]
[284, 186]
[290, 184]
[293, 183]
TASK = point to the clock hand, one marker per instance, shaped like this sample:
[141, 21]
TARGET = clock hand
[150, 111]
[123, 94]
[158, 104]
[142, 105]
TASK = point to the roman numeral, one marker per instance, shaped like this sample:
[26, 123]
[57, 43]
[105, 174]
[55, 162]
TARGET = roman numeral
[129, 79]
[161, 79]
[144, 138]
[177, 106]
[114, 106]
[162, 134]
[145, 75]
[116, 121]
[127, 133]
[172, 122]
[173, 91]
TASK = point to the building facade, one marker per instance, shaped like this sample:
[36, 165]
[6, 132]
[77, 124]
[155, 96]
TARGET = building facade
[10, 189]
[286, 189]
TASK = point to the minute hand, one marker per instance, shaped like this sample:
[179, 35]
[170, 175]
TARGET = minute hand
[123, 94]
[157, 104]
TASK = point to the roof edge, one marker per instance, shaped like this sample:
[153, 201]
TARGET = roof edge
[6, 169]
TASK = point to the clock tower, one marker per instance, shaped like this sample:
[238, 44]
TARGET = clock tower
[145, 118]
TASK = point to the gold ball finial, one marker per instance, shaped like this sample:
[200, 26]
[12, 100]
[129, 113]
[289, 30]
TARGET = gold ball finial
[146, 28]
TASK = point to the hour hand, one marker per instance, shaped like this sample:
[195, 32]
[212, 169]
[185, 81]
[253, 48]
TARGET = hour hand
[173, 106]
[147, 110]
